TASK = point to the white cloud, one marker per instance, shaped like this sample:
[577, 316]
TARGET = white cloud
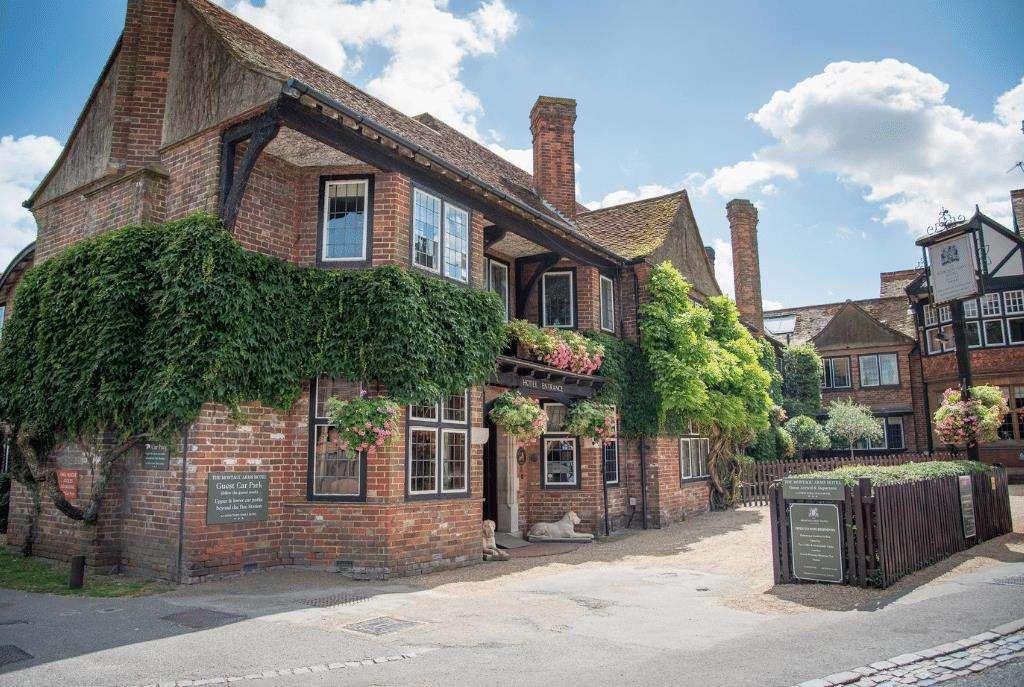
[845, 233]
[425, 41]
[723, 267]
[769, 190]
[885, 127]
[520, 157]
[627, 196]
[769, 304]
[23, 163]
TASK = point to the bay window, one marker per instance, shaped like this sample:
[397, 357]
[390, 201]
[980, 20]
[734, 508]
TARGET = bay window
[558, 300]
[344, 224]
[437, 458]
[440, 228]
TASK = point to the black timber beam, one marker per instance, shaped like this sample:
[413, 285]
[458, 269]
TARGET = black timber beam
[259, 131]
[525, 290]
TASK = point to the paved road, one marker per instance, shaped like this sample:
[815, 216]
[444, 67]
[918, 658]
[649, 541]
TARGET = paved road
[622, 619]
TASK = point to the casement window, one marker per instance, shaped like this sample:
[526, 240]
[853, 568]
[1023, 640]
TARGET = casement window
[949, 338]
[693, 458]
[1015, 330]
[874, 444]
[835, 373]
[610, 459]
[894, 438]
[879, 369]
[345, 220]
[931, 316]
[933, 340]
[440, 236]
[994, 334]
[437, 461]
[607, 304]
[1014, 302]
[497, 281]
[945, 313]
[990, 305]
[971, 308]
[334, 473]
[1012, 427]
[558, 300]
[561, 462]
[973, 332]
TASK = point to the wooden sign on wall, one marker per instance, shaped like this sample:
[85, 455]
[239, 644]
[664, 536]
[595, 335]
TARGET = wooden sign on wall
[67, 481]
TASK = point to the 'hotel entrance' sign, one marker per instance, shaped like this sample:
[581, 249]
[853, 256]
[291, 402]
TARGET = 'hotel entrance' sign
[540, 385]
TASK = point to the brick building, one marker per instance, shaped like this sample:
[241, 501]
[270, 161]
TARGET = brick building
[197, 110]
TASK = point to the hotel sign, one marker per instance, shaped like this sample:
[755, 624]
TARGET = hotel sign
[952, 273]
[817, 542]
[233, 497]
[540, 385]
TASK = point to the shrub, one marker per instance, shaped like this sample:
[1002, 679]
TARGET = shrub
[807, 434]
[629, 386]
[801, 380]
[907, 472]
[849, 423]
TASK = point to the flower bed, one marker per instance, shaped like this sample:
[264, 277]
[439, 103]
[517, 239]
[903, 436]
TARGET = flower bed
[565, 350]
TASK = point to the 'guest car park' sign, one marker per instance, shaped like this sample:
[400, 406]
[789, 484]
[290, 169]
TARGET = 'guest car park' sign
[952, 270]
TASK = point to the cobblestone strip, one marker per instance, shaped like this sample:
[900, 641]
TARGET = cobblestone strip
[286, 672]
[936, 665]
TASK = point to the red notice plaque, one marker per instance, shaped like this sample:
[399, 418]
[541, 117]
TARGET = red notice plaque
[67, 480]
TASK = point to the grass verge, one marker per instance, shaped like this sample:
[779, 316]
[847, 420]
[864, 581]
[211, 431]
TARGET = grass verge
[36, 575]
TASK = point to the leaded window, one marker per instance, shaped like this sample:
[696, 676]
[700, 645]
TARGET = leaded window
[879, 369]
[1015, 330]
[994, 334]
[440, 232]
[497, 281]
[426, 230]
[1014, 301]
[894, 438]
[607, 304]
[990, 305]
[558, 300]
[973, 332]
[335, 472]
[344, 231]
[560, 462]
[835, 373]
[437, 462]
[610, 460]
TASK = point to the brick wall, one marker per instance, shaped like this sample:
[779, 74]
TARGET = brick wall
[668, 498]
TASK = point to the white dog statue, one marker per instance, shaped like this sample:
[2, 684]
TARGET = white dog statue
[491, 550]
[563, 530]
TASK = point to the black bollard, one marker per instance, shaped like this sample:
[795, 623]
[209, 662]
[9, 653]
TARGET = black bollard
[77, 572]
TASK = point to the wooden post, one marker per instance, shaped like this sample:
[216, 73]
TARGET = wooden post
[77, 572]
[963, 360]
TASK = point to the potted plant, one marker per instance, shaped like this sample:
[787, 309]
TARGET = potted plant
[565, 350]
[519, 416]
[363, 423]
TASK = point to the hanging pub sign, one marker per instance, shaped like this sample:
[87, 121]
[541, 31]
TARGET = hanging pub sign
[952, 270]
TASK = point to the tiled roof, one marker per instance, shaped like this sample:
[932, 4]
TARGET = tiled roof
[811, 319]
[895, 283]
[632, 230]
[278, 61]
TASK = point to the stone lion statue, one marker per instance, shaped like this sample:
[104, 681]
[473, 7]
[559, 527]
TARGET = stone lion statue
[491, 550]
[562, 530]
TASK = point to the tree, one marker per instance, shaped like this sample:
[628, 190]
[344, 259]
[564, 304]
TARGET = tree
[801, 380]
[807, 433]
[849, 423]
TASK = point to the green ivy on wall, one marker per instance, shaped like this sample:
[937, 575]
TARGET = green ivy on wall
[629, 386]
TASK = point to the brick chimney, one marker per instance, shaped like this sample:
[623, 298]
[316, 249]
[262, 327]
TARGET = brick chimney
[746, 266]
[1017, 202]
[554, 159]
[143, 66]
[711, 254]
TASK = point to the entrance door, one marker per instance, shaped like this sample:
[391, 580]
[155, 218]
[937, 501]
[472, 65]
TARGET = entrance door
[491, 474]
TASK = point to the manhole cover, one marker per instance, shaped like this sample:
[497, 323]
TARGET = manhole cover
[201, 618]
[1015, 581]
[380, 626]
[339, 599]
[12, 654]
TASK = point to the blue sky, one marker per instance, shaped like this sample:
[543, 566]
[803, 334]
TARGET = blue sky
[882, 112]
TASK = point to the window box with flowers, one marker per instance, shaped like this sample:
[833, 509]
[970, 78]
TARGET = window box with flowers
[565, 350]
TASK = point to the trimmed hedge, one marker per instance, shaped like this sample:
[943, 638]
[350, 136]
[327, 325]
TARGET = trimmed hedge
[897, 474]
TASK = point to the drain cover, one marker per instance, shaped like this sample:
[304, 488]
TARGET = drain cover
[1015, 581]
[14, 622]
[339, 599]
[380, 626]
[12, 654]
[201, 618]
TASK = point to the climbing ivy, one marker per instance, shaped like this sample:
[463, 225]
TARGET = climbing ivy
[629, 386]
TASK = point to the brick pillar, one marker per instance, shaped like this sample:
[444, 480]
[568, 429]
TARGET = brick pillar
[1017, 201]
[746, 266]
[554, 161]
[143, 66]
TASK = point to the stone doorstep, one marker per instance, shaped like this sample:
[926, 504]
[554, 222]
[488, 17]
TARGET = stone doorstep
[1007, 633]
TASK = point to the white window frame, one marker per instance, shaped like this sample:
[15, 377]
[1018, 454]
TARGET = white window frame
[442, 237]
[408, 460]
[991, 299]
[977, 328]
[547, 405]
[413, 416]
[443, 409]
[931, 316]
[928, 340]
[328, 183]
[1009, 331]
[878, 368]
[696, 448]
[1013, 302]
[971, 309]
[945, 313]
[575, 457]
[949, 343]
[604, 471]
[610, 326]
[572, 298]
[829, 372]
[491, 264]
[984, 330]
[441, 460]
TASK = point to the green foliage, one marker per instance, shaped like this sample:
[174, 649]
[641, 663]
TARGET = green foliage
[773, 443]
[591, 419]
[807, 434]
[906, 472]
[45, 577]
[518, 415]
[706, 364]
[629, 386]
[132, 331]
[849, 423]
[770, 364]
[801, 380]
[363, 422]
[564, 349]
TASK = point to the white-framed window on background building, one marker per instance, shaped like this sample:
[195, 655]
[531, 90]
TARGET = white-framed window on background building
[693, 458]
[990, 305]
[1014, 302]
[994, 333]
[835, 373]
[607, 304]
[879, 369]
[931, 316]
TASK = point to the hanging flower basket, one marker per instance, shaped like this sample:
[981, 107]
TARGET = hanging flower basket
[364, 423]
[565, 350]
[592, 420]
[960, 422]
[519, 416]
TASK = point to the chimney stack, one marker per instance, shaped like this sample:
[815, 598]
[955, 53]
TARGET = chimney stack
[711, 255]
[746, 266]
[1017, 203]
[554, 159]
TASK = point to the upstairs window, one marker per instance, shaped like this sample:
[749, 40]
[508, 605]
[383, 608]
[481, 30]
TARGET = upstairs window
[879, 369]
[497, 281]
[345, 224]
[934, 342]
[607, 304]
[440, 228]
[949, 342]
[973, 331]
[971, 308]
[931, 316]
[994, 334]
[945, 313]
[558, 300]
[835, 373]
[1014, 301]
[990, 305]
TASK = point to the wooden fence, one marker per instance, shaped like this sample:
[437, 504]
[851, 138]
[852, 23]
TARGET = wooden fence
[893, 530]
[757, 477]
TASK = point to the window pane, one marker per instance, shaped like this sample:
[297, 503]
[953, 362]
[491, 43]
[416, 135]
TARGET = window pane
[422, 460]
[609, 453]
[333, 387]
[888, 371]
[934, 342]
[556, 416]
[560, 461]
[335, 470]
[931, 315]
[455, 408]
[426, 230]
[345, 220]
[971, 308]
[990, 304]
[894, 432]
[945, 313]
[684, 458]
[456, 243]
[423, 412]
[454, 464]
[558, 300]
[607, 304]
[869, 370]
[1016, 330]
[705, 446]
[498, 282]
[973, 331]
[1014, 301]
[841, 372]
[994, 333]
